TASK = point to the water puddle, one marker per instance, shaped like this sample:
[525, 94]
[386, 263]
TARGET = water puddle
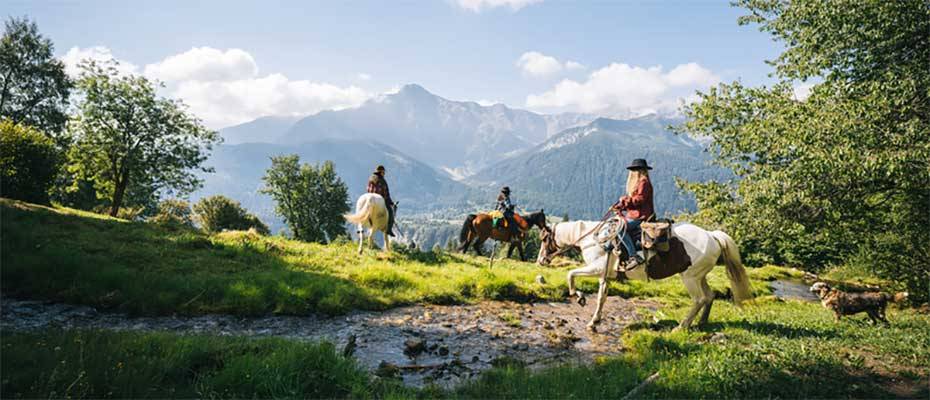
[420, 344]
[792, 290]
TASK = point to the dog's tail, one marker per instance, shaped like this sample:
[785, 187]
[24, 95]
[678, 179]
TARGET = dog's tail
[899, 297]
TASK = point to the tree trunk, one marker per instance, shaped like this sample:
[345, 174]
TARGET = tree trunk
[118, 197]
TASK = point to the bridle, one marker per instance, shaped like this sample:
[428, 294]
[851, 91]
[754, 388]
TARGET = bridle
[548, 257]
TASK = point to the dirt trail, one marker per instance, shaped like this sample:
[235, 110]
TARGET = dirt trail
[421, 344]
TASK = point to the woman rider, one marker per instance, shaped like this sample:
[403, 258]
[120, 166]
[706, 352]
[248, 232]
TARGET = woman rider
[636, 205]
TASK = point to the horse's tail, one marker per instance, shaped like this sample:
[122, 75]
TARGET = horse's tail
[739, 280]
[467, 227]
[361, 214]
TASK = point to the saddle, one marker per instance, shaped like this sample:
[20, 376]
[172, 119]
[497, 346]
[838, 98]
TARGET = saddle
[656, 235]
[664, 253]
[497, 219]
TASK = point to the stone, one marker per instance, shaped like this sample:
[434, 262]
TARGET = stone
[443, 351]
[413, 347]
[540, 280]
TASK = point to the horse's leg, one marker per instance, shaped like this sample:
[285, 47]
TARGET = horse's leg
[465, 245]
[593, 269]
[387, 241]
[693, 286]
[478, 244]
[510, 249]
[601, 299]
[371, 238]
[709, 299]
[521, 250]
[361, 238]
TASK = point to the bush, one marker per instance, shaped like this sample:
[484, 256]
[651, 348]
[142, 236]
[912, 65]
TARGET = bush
[173, 212]
[218, 213]
[28, 163]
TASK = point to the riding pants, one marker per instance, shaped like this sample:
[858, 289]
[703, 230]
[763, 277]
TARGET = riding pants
[632, 228]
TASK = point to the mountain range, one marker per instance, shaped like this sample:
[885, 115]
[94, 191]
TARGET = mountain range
[446, 158]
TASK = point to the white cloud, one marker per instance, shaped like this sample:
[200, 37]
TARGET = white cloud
[223, 87]
[478, 6]
[76, 55]
[364, 77]
[573, 65]
[624, 90]
[224, 103]
[534, 63]
[204, 64]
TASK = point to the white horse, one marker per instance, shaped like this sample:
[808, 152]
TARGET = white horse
[704, 249]
[370, 212]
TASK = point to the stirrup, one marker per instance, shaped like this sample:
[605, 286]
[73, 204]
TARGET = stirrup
[630, 263]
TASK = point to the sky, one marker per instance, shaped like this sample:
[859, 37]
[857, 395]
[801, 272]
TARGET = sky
[233, 61]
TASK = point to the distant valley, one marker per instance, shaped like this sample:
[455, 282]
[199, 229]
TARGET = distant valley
[447, 158]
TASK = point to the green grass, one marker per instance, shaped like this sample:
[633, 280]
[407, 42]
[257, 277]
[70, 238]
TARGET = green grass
[144, 269]
[769, 348]
[102, 364]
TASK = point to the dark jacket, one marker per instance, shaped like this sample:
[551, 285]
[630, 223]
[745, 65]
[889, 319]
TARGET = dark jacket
[377, 184]
[639, 205]
[504, 204]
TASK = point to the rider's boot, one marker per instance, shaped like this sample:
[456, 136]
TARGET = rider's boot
[633, 261]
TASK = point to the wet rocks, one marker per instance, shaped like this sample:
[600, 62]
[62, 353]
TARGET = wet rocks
[387, 370]
[413, 347]
[443, 351]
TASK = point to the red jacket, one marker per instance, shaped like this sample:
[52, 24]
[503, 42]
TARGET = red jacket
[639, 204]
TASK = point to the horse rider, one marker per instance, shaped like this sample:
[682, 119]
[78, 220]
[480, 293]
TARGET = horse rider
[505, 206]
[636, 206]
[377, 184]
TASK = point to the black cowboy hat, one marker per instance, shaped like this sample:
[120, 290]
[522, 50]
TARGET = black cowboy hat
[639, 163]
[380, 168]
[505, 189]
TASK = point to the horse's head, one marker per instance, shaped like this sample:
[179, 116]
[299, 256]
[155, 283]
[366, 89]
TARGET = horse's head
[547, 246]
[537, 219]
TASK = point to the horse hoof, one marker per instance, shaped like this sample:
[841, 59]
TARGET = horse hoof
[582, 301]
[592, 328]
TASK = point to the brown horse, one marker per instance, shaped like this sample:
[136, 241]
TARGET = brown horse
[478, 228]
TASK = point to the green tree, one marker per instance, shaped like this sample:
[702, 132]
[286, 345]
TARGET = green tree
[34, 88]
[844, 172]
[29, 162]
[129, 140]
[310, 198]
[173, 212]
[218, 213]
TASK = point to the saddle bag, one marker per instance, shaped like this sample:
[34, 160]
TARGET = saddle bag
[657, 235]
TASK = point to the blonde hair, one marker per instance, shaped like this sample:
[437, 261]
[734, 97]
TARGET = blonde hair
[633, 178]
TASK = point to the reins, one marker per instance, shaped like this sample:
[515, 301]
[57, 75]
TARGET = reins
[561, 251]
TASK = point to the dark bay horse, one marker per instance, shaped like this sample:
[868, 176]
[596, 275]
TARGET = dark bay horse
[478, 228]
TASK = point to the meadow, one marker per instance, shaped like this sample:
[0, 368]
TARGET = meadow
[768, 348]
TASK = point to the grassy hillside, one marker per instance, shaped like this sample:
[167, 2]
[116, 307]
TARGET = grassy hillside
[769, 348]
[145, 269]
[141, 268]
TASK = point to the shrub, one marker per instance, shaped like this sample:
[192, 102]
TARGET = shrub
[28, 163]
[173, 212]
[218, 213]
